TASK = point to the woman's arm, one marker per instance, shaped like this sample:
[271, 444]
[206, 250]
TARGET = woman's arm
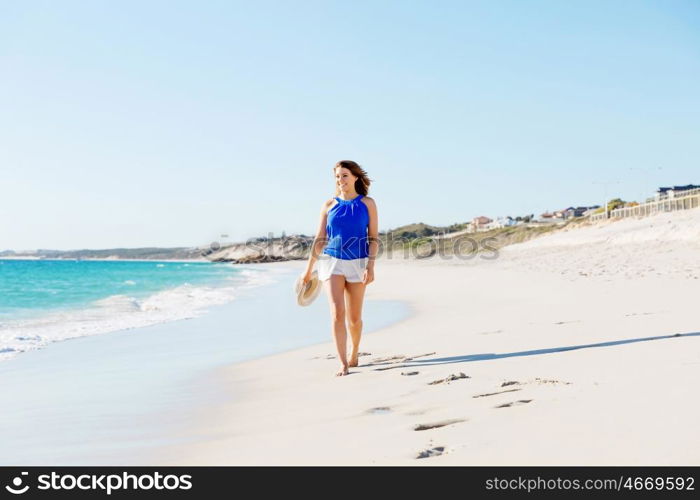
[320, 240]
[372, 232]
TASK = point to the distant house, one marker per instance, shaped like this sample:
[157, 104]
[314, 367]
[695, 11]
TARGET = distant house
[550, 217]
[570, 212]
[560, 214]
[669, 193]
[590, 210]
[480, 222]
[501, 222]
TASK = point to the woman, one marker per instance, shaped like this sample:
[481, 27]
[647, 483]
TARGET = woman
[349, 226]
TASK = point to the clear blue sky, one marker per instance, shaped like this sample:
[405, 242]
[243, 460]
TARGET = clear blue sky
[167, 123]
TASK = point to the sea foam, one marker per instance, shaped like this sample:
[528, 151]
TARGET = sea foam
[121, 312]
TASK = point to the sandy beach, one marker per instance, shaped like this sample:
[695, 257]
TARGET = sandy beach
[578, 348]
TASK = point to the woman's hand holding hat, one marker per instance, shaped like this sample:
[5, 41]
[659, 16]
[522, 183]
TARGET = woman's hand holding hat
[307, 288]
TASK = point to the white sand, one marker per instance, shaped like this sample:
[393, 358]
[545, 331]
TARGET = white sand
[534, 317]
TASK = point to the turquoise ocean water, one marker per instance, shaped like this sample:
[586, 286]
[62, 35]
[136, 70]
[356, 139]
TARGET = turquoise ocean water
[124, 397]
[42, 301]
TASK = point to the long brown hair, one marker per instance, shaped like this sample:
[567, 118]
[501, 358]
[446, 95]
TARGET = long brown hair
[362, 183]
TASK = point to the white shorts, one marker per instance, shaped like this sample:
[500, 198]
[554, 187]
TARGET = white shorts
[352, 269]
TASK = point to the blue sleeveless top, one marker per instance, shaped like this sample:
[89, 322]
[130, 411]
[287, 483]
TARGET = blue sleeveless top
[346, 228]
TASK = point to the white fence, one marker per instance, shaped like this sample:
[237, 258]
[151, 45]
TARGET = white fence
[691, 199]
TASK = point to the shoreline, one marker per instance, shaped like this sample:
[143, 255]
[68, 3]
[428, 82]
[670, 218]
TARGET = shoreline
[106, 259]
[42, 328]
[119, 397]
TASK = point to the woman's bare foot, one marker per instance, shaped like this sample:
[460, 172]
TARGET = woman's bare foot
[343, 371]
[353, 360]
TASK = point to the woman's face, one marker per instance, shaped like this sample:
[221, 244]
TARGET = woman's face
[345, 180]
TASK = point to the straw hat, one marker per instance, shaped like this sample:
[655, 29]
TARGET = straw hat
[307, 294]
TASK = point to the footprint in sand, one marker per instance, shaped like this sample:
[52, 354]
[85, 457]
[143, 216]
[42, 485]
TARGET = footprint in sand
[397, 359]
[494, 393]
[388, 359]
[411, 358]
[327, 356]
[449, 379]
[379, 410]
[436, 425]
[510, 382]
[431, 452]
[490, 332]
[550, 381]
[519, 402]
[537, 381]
[332, 356]
[409, 373]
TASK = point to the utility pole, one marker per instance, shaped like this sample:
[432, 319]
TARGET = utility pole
[605, 193]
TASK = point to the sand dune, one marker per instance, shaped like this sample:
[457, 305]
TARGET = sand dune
[665, 245]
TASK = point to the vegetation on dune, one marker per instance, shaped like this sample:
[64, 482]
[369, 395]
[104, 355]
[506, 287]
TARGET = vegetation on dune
[411, 241]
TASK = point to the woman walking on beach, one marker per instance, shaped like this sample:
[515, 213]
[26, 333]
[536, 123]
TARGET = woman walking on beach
[349, 226]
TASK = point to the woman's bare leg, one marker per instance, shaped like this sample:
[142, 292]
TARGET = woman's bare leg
[354, 296]
[335, 286]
